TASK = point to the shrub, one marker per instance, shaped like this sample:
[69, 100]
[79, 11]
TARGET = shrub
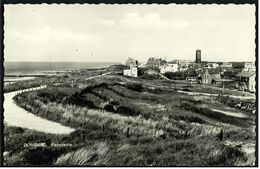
[175, 75]
[220, 117]
[42, 156]
[138, 87]
[109, 108]
[127, 111]
[236, 103]
[151, 77]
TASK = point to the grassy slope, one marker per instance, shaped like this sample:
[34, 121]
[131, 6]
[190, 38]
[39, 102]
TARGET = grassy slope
[137, 151]
[145, 113]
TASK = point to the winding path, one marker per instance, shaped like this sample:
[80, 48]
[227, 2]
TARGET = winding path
[17, 116]
[210, 94]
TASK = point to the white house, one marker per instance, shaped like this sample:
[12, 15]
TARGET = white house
[247, 81]
[211, 65]
[131, 72]
[249, 67]
[227, 65]
[182, 68]
[169, 67]
[215, 65]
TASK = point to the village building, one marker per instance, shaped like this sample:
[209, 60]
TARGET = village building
[246, 81]
[142, 65]
[215, 65]
[215, 76]
[131, 61]
[191, 79]
[151, 72]
[155, 62]
[183, 68]
[217, 80]
[183, 62]
[131, 72]
[227, 65]
[249, 67]
[169, 67]
[229, 75]
[238, 66]
[212, 65]
[207, 66]
[206, 77]
[209, 78]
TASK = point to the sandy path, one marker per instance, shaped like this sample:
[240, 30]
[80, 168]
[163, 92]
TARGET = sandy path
[17, 116]
[209, 94]
[229, 113]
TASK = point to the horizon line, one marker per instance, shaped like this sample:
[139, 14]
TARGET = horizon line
[112, 61]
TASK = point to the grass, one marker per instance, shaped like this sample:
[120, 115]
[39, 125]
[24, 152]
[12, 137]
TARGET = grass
[129, 121]
[237, 103]
[65, 80]
[90, 147]
[16, 138]
[123, 99]
[195, 152]
[219, 117]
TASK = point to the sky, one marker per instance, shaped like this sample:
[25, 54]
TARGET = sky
[112, 33]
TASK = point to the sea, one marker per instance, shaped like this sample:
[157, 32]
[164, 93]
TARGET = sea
[20, 68]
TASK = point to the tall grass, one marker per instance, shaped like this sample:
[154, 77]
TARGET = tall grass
[71, 106]
[216, 116]
[87, 156]
[191, 152]
[119, 121]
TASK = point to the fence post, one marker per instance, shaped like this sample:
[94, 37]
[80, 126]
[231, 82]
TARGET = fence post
[186, 134]
[128, 132]
[221, 134]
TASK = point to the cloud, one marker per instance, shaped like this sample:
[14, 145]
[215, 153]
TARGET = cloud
[152, 21]
[180, 23]
[50, 34]
[47, 44]
[209, 23]
[105, 22]
[116, 32]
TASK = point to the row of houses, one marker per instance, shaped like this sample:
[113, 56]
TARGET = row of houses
[244, 80]
[184, 65]
[219, 73]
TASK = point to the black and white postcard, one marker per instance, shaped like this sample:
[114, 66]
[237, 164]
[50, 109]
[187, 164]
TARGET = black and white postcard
[129, 85]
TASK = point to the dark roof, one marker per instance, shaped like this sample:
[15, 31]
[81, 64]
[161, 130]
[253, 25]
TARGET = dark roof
[154, 59]
[230, 73]
[246, 74]
[172, 62]
[201, 73]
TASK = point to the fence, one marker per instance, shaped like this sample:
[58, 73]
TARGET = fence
[30, 89]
